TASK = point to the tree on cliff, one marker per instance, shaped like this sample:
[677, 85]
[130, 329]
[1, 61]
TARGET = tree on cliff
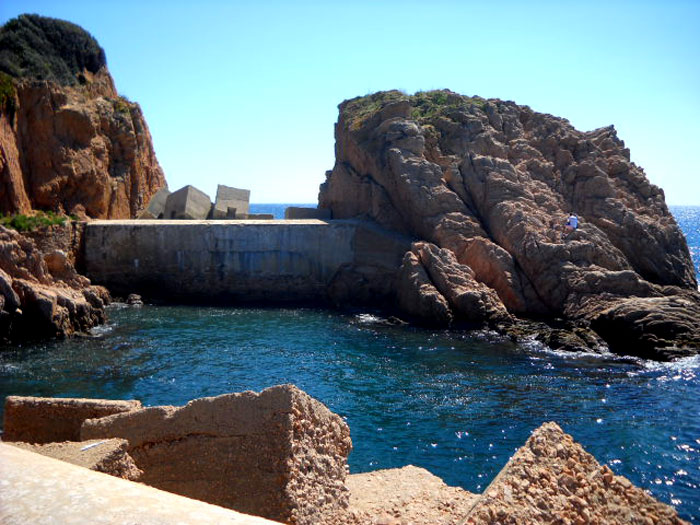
[42, 48]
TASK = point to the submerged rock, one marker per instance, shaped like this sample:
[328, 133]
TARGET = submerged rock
[492, 183]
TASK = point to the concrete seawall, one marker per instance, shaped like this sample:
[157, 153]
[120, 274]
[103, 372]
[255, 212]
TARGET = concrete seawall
[236, 261]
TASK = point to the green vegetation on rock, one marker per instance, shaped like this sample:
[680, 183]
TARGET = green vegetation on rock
[357, 110]
[425, 105]
[41, 48]
[8, 103]
[23, 223]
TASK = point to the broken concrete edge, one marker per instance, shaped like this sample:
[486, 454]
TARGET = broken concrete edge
[47, 420]
[109, 456]
[35, 487]
[290, 449]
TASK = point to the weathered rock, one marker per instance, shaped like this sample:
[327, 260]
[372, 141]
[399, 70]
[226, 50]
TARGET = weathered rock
[455, 285]
[48, 419]
[278, 454]
[70, 143]
[43, 295]
[553, 480]
[493, 182]
[134, 300]
[108, 456]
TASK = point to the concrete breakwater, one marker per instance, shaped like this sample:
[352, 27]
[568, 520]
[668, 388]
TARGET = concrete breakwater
[267, 261]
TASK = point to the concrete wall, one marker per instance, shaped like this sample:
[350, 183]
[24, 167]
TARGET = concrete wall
[268, 261]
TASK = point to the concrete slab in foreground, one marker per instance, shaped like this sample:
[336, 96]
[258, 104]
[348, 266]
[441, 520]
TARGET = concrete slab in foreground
[37, 489]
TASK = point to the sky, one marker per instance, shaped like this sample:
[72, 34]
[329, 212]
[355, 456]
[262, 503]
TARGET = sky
[246, 93]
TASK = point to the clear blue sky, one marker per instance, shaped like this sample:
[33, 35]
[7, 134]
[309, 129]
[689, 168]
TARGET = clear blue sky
[246, 93]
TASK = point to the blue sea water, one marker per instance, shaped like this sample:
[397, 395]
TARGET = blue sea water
[457, 404]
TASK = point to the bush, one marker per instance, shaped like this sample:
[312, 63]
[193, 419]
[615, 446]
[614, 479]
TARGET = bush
[41, 48]
[8, 102]
[24, 223]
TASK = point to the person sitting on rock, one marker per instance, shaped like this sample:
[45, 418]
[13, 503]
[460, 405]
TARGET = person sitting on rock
[571, 223]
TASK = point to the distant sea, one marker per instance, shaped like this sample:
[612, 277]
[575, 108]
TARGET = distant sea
[458, 404]
[276, 209]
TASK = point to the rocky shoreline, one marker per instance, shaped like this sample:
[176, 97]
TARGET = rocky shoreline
[485, 186]
[282, 455]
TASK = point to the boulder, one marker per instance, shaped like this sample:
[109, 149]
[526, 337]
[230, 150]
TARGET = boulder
[49, 419]
[108, 455]
[552, 479]
[278, 454]
[492, 183]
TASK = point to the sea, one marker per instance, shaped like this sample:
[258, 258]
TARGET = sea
[455, 403]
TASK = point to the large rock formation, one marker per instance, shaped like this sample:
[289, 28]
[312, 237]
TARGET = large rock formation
[41, 294]
[68, 142]
[487, 186]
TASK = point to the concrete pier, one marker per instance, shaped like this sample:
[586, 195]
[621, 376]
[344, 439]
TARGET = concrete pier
[37, 489]
[235, 261]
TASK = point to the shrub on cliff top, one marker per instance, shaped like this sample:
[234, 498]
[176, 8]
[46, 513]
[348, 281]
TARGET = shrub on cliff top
[23, 223]
[425, 105]
[41, 48]
[8, 103]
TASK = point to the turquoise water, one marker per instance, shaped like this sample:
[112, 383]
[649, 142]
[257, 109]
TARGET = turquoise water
[457, 404]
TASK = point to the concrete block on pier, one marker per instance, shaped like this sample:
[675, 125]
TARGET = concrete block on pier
[187, 203]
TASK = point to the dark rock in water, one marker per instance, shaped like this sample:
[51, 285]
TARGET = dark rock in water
[492, 183]
[134, 300]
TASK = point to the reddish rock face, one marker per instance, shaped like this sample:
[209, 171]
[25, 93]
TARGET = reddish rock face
[493, 183]
[41, 294]
[80, 149]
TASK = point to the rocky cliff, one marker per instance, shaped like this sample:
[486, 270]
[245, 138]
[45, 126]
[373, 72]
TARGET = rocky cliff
[485, 186]
[68, 142]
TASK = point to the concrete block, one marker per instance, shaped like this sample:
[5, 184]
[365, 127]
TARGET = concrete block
[278, 454]
[295, 212]
[101, 455]
[38, 489]
[187, 203]
[228, 198]
[156, 206]
[47, 419]
[261, 217]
